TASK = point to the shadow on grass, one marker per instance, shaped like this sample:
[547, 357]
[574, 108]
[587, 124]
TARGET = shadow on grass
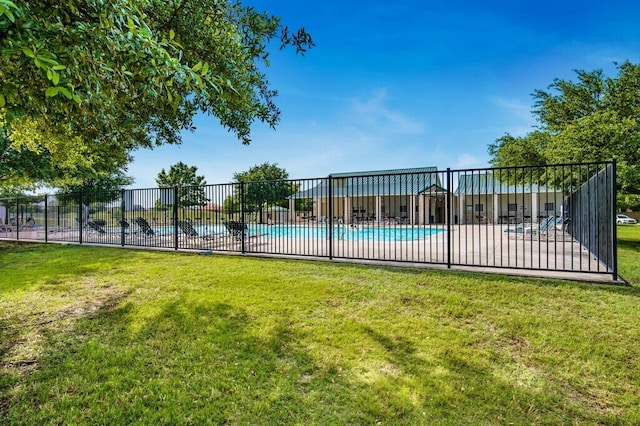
[631, 245]
[202, 361]
[28, 264]
[458, 384]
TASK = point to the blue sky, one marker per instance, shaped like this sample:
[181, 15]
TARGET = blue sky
[408, 83]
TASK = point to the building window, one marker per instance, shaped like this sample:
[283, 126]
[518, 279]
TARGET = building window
[549, 207]
[403, 209]
[479, 207]
[512, 207]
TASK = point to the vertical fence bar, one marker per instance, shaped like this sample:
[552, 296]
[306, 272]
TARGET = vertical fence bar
[122, 219]
[46, 217]
[176, 241]
[449, 217]
[614, 230]
[242, 210]
[330, 215]
[17, 219]
[80, 218]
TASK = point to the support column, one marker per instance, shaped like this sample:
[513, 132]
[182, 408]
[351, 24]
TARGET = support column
[378, 208]
[535, 206]
[462, 208]
[292, 210]
[421, 200]
[347, 210]
[412, 210]
[496, 208]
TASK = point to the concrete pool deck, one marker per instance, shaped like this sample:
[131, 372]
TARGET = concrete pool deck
[474, 248]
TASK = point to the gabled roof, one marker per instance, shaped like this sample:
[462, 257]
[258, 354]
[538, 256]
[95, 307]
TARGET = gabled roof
[435, 189]
[486, 183]
[371, 183]
[386, 172]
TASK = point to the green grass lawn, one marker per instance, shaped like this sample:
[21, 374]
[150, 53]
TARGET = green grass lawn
[104, 335]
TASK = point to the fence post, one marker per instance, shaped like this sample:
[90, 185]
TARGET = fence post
[449, 217]
[242, 210]
[175, 218]
[17, 219]
[330, 215]
[80, 219]
[46, 217]
[122, 207]
[614, 208]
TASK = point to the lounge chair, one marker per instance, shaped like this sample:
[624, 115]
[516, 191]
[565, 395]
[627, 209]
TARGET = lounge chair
[95, 227]
[551, 223]
[30, 224]
[146, 229]
[12, 226]
[125, 227]
[238, 230]
[544, 228]
[528, 229]
[188, 229]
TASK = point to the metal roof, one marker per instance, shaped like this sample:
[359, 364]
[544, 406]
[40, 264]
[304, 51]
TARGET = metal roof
[386, 172]
[372, 183]
[485, 183]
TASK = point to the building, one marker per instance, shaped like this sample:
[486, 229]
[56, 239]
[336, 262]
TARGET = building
[482, 198]
[411, 196]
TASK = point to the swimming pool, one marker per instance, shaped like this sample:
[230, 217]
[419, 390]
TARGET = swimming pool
[344, 232]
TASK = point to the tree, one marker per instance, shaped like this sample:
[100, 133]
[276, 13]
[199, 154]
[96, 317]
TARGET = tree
[595, 118]
[264, 185]
[92, 80]
[190, 185]
[102, 188]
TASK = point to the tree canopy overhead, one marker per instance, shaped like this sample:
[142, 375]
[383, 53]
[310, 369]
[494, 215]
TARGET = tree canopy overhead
[85, 82]
[595, 118]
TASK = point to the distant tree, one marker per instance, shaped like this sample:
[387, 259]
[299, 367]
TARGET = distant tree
[190, 185]
[596, 118]
[629, 202]
[304, 204]
[102, 188]
[231, 204]
[265, 185]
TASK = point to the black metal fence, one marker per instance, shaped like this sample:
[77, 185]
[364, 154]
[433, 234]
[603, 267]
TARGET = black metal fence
[556, 217]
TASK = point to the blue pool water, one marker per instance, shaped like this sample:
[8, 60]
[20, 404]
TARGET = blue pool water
[362, 233]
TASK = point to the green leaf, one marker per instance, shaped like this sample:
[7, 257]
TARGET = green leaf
[65, 92]
[172, 34]
[30, 53]
[56, 77]
[10, 15]
[197, 67]
[46, 60]
[51, 92]
[2, 101]
[205, 69]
